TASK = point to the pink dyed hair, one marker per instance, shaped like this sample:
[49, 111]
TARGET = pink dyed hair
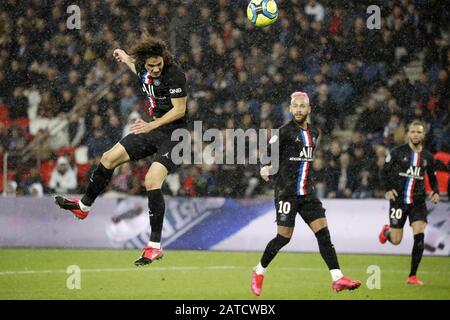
[297, 94]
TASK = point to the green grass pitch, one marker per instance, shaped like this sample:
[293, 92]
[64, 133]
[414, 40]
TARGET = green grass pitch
[187, 275]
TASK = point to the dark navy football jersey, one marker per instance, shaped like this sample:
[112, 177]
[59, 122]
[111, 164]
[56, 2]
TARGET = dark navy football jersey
[296, 150]
[171, 84]
[405, 170]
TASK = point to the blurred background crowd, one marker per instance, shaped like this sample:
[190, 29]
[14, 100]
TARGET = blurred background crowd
[238, 77]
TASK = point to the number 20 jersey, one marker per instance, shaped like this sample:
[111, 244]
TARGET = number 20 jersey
[405, 170]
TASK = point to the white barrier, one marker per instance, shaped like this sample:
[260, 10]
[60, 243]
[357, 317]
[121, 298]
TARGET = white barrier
[208, 224]
[354, 227]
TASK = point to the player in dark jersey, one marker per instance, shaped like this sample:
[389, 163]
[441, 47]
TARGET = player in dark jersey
[294, 193]
[403, 175]
[164, 83]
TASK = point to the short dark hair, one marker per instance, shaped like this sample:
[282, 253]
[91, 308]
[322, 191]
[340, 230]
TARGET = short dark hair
[148, 47]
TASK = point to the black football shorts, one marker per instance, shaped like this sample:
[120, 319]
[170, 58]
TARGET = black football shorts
[156, 142]
[309, 207]
[399, 211]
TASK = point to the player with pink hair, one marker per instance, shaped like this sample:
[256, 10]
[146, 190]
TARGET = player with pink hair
[294, 193]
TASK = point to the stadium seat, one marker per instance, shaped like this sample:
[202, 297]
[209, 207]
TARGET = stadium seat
[442, 179]
[4, 112]
[21, 122]
[82, 170]
[46, 171]
[444, 157]
[6, 123]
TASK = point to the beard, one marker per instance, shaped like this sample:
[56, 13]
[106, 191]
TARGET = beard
[301, 120]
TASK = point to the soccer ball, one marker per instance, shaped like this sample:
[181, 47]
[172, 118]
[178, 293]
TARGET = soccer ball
[262, 12]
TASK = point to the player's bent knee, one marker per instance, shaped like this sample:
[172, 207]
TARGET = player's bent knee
[114, 157]
[323, 235]
[151, 183]
[285, 232]
[107, 160]
[282, 240]
[396, 241]
[110, 160]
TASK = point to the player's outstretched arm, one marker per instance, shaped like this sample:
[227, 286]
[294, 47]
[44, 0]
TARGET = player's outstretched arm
[121, 56]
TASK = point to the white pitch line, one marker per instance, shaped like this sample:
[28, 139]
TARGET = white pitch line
[187, 268]
[174, 268]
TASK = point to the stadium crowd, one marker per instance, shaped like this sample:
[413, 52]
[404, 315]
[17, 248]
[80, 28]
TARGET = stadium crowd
[238, 77]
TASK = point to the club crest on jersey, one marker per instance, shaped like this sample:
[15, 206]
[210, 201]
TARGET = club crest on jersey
[156, 82]
[314, 139]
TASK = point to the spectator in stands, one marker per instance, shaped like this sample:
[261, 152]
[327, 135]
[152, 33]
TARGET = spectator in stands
[402, 90]
[33, 184]
[19, 104]
[98, 143]
[334, 57]
[114, 129]
[394, 132]
[363, 188]
[127, 101]
[63, 178]
[15, 140]
[342, 179]
[320, 179]
[48, 107]
[372, 121]
[314, 9]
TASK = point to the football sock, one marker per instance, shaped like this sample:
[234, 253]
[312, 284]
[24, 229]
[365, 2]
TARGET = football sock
[98, 181]
[417, 252]
[272, 249]
[156, 245]
[336, 274]
[157, 208]
[326, 248]
[83, 207]
[260, 269]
